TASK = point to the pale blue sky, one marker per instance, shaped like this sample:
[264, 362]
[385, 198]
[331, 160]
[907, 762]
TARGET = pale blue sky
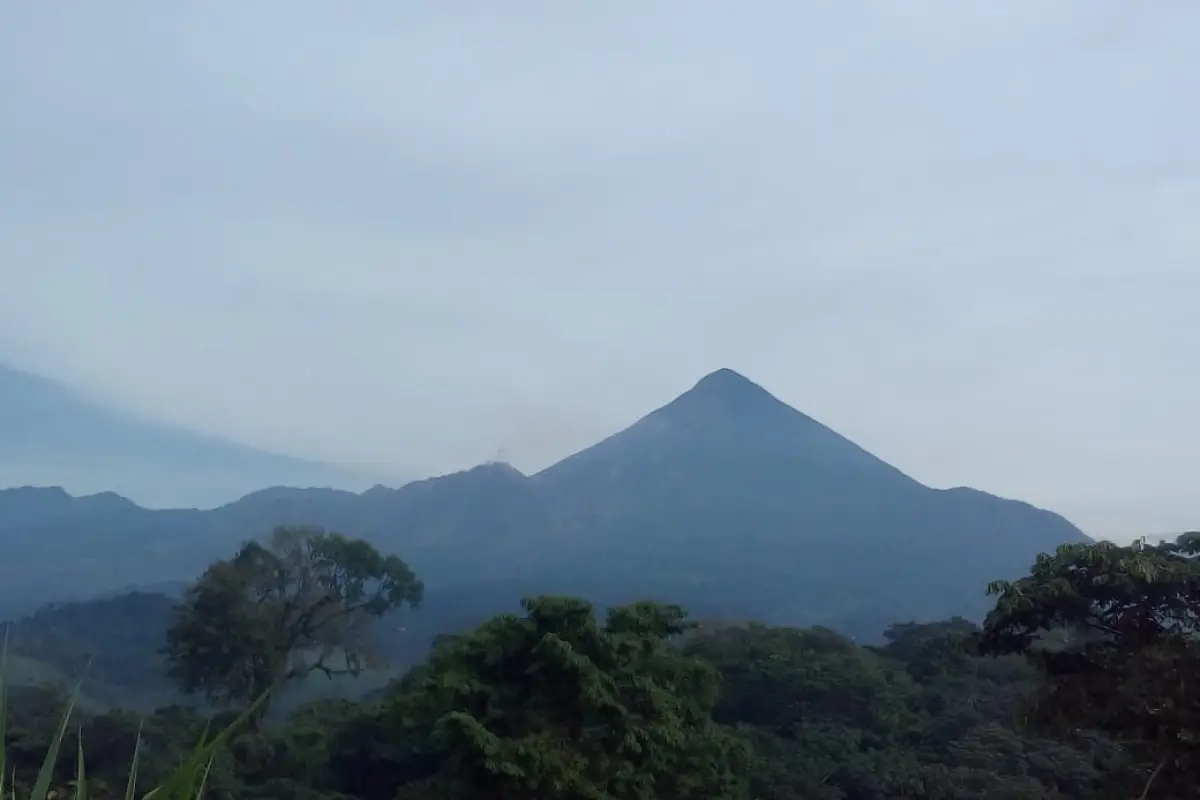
[413, 235]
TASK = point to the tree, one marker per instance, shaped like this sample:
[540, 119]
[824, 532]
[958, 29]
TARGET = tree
[554, 704]
[1114, 631]
[823, 714]
[276, 613]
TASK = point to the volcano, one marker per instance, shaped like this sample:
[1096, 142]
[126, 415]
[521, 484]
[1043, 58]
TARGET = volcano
[725, 500]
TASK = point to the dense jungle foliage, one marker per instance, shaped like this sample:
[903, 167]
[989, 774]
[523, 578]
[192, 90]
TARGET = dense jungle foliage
[1076, 687]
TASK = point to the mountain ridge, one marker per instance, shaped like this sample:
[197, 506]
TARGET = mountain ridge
[50, 430]
[724, 499]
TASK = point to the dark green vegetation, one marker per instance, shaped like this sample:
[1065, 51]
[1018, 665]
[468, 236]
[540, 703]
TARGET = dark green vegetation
[49, 433]
[1078, 686]
[113, 642]
[275, 614]
[726, 501]
[1122, 655]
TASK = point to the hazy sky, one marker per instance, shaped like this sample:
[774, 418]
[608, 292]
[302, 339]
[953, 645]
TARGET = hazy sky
[416, 235]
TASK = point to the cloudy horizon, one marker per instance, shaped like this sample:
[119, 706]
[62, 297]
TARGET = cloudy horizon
[418, 236]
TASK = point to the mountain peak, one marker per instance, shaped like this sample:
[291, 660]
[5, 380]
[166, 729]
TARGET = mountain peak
[726, 391]
[725, 381]
[722, 429]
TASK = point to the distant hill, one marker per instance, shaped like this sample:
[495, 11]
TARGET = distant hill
[111, 645]
[52, 435]
[725, 500]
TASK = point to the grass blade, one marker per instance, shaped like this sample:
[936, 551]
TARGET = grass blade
[80, 772]
[204, 778]
[191, 775]
[3, 713]
[131, 783]
[41, 788]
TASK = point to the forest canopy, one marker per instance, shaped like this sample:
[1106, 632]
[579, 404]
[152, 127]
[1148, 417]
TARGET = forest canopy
[1075, 687]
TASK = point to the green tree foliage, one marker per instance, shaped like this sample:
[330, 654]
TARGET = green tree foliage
[1077, 687]
[276, 613]
[631, 707]
[822, 712]
[555, 704]
[1113, 630]
[920, 717]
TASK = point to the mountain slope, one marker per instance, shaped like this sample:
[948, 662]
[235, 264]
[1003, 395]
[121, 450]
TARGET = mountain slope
[113, 643]
[725, 500]
[750, 508]
[50, 434]
[723, 416]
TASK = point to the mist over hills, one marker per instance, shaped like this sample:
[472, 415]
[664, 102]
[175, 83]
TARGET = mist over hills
[725, 500]
[51, 434]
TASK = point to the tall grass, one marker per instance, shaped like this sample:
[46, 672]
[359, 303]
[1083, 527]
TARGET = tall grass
[186, 782]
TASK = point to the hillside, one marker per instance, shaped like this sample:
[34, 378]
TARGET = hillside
[725, 500]
[112, 644]
[53, 435]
